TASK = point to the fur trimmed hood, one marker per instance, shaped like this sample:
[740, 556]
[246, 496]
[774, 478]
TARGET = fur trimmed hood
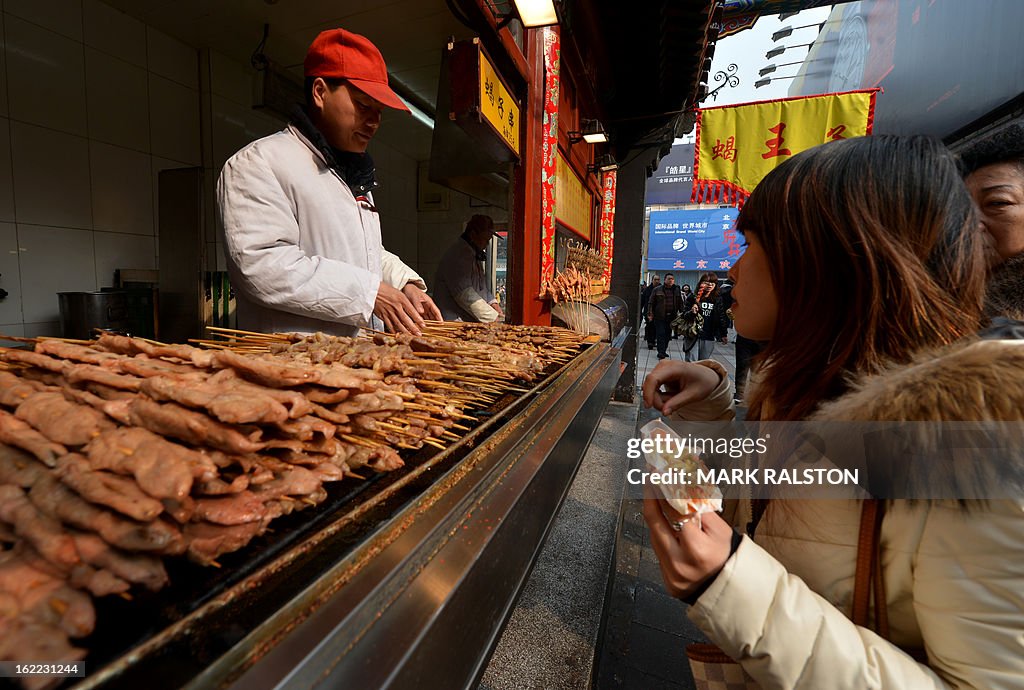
[971, 381]
[1005, 290]
[974, 381]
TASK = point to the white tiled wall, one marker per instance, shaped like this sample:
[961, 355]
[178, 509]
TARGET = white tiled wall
[93, 104]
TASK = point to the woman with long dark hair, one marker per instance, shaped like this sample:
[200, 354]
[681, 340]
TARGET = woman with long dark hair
[864, 276]
[707, 302]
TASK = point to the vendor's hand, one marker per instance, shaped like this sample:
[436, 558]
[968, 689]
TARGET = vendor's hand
[694, 554]
[497, 307]
[421, 301]
[724, 340]
[396, 311]
[672, 384]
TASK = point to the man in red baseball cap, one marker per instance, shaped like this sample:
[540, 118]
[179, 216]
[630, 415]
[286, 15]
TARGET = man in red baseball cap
[301, 232]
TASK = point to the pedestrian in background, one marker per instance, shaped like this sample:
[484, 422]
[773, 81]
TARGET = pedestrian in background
[708, 302]
[645, 300]
[665, 303]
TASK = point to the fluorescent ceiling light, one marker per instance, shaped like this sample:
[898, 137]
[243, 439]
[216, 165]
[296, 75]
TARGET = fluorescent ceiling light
[534, 13]
[418, 114]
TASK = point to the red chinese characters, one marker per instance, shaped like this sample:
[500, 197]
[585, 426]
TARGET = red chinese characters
[835, 133]
[726, 150]
[775, 144]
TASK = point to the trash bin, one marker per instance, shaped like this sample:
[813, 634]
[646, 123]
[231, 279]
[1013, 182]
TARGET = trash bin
[81, 312]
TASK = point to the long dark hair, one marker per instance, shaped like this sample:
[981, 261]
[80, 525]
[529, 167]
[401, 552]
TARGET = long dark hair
[874, 250]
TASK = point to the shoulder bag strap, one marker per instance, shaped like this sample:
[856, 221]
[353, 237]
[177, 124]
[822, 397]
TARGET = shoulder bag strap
[868, 572]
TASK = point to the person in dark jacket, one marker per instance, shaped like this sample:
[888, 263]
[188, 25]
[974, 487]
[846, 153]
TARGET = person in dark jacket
[708, 302]
[645, 299]
[665, 303]
[746, 349]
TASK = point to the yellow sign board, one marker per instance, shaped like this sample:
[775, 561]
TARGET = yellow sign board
[738, 145]
[497, 106]
[573, 204]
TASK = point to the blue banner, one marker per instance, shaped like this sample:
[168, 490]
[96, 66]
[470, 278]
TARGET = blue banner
[693, 240]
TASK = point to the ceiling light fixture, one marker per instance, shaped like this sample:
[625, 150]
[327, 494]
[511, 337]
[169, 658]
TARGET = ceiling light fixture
[592, 133]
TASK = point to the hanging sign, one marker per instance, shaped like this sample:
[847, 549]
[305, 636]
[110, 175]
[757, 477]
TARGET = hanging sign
[482, 103]
[738, 145]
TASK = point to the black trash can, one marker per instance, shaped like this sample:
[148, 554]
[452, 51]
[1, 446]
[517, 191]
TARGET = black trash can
[81, 312]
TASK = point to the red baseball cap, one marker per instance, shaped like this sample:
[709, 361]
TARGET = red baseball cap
[340, 54]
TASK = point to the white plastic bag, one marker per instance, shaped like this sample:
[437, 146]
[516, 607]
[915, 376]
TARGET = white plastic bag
[689, 498]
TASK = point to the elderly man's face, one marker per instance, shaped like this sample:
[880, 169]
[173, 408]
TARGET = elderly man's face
[998, 190]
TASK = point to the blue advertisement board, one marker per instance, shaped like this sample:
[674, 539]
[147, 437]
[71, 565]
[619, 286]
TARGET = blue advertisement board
[693, 240]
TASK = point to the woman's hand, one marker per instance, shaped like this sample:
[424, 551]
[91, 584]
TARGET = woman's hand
[692, 555]
[672, 384]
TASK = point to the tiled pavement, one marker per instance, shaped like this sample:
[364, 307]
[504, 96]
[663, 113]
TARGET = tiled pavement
[648, 359]
[645, 630]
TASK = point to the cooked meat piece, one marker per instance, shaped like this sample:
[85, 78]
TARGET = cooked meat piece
[60, 502]
[15, 432]
[47, 379]
[304, 428]
[207, 541]
[32, 358]
[235, 509]
[242, 406]
[338, 376]
[181, 510]
[14, 389]
[269, 372]
[60, 420]
[42, 594]
[120, 344]
[324, 396]
[295, 402]
[330, 415]
[219, 487]
[147, 571]
[119, 493]
[295, 481]
[160, 467]
[19, 468]
[383, 459]
[173, 420]
[77, 373]
[134, 346]
[106, 392]
[328, 472]
[99, 583]
[25, 638]
[38, 529]
[145, 367]
[75, 352]
[370, 402]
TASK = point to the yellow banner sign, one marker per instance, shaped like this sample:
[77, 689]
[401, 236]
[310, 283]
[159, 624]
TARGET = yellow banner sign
[573, 203]
[738, 145]
[497, 106]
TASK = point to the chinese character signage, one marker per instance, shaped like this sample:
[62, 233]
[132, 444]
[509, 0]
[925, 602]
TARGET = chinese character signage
[693, 240]
[738, 145]
[672, 182]
[482, 104]
[573, 206]
[497, 106]
[549, 157]
[608, 180]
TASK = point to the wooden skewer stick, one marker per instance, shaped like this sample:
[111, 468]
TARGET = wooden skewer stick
[360, 441]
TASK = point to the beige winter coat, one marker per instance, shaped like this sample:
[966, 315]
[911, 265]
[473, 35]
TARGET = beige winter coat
[954, 580]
